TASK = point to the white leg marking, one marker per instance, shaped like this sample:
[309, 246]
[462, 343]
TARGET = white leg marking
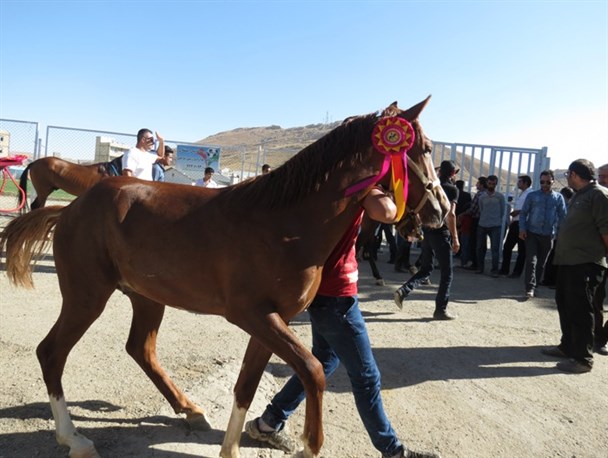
[65, 431]
[230, 446]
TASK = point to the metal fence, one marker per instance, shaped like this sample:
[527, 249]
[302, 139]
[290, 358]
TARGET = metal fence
[507, 163]
[239, 162]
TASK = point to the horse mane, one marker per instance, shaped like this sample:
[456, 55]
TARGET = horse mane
[309, 169]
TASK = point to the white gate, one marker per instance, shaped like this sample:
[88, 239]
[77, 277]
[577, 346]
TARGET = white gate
[506, 163]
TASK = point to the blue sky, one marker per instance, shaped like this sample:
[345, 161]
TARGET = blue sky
[507, 73]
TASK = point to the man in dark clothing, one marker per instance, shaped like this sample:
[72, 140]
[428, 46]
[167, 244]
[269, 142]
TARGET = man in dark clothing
[441, 243]
[580, 254]
[464, 198]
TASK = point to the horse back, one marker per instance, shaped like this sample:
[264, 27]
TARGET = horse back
[181, 246]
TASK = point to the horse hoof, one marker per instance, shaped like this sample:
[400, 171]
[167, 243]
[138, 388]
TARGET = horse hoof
[380, 281]
[198, 422]
[84, 452]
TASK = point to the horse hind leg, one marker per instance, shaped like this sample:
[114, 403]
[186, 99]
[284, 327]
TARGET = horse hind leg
[141, 346]
[52, 352]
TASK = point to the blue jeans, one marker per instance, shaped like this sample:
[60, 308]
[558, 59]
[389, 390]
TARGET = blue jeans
[482, 233]
[339, 335]
[437, 243]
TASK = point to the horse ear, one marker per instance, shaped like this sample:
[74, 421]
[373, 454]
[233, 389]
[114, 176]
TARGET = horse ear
[412, 113]
[391, 110]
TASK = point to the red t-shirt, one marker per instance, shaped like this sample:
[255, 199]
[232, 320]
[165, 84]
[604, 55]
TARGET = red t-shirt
[340, 272]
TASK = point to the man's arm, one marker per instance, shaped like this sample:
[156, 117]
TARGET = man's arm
[451, 221]
[380, 206]
[160, 150]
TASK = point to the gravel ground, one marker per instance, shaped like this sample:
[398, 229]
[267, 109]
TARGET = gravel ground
[474, 387]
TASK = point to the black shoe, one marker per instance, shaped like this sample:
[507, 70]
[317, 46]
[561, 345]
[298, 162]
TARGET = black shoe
[443, 315]
[515, 275]
[573, 366]
[554, 351]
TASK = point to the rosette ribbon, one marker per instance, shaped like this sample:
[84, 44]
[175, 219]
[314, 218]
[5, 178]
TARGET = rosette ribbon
[394, 137]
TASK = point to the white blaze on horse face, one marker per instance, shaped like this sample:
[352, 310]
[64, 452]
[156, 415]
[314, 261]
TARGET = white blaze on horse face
[66, 433]
[230, 446]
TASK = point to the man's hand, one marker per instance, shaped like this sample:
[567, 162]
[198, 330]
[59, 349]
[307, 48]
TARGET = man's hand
[523, 235]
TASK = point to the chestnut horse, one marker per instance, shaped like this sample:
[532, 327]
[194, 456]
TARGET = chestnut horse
[183, 246]
[51, 173]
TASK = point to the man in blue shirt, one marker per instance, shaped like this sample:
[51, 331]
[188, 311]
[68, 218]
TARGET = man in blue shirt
[158, 169]
[539, 220]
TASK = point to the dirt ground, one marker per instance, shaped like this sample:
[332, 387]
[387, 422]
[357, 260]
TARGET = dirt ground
[474, 387]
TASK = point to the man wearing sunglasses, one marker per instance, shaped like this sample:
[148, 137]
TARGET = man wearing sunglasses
[138, 161]
[540, 218]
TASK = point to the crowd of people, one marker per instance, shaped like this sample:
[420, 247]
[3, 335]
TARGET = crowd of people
[561, 239]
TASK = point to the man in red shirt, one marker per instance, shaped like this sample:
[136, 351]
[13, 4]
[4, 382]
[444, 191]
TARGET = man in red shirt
[339, 335]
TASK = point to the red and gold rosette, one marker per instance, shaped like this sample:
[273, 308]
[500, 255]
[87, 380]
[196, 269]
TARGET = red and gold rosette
[394, 136]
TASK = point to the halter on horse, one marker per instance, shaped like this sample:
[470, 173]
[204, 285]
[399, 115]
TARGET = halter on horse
[150, 239]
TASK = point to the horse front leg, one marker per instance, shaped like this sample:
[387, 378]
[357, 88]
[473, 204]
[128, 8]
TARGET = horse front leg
[141, 346]
[254, 362]
[274, 334]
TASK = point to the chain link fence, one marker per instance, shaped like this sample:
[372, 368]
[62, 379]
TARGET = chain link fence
[86, 146]
[16, 138]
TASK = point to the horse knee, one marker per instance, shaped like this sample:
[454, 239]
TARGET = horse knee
[315, 368]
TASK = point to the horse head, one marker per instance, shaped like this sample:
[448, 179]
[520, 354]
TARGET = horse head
[426, 204]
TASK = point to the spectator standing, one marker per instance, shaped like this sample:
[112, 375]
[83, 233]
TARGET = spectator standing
[207, 180]
[440, 243]
[473, 211]
[464, 198]
[581, 259]
[540, 218]
[524, 183]
[601, 327]
[158, 169]
[550, 268]
[339, 335]
[492, 211]
[138, 161]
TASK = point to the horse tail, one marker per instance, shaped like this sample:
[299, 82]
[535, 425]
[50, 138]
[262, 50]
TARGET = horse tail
[24, 239]
[23, 185]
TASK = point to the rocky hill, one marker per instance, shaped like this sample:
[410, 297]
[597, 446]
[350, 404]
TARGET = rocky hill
[272, 138]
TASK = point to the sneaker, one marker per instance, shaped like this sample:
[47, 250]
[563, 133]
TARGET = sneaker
[573, 366]
[554, 351]
[278, 439]
[601, 349]
[413, 270]
[405, 453]
[529, 294]
[443, 315]
[398, 297]
[426, 281]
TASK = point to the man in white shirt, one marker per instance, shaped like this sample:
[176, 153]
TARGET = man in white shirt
[207, 181]
[524, 184]
[138, 161]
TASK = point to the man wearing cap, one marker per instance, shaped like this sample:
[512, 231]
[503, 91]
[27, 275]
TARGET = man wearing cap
[580, 254]
[441, 243]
